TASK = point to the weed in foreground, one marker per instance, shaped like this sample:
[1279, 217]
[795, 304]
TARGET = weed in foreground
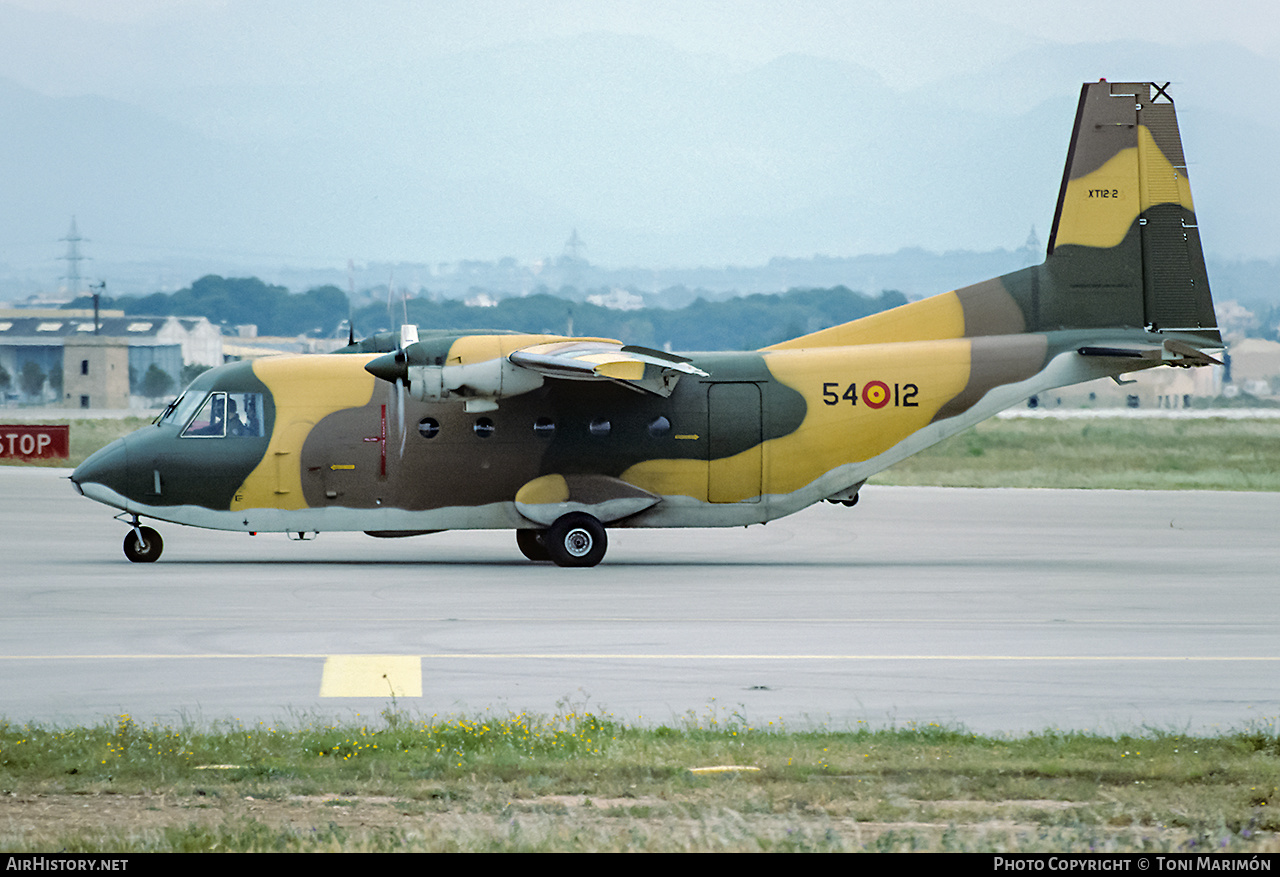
[586, 779]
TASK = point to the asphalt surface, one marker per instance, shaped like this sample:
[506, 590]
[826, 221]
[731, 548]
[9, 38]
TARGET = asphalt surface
[998, 610]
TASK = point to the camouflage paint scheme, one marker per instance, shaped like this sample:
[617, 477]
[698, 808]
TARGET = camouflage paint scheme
[741, 437]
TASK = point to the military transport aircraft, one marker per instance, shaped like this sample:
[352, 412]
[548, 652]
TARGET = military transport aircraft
[557, 438]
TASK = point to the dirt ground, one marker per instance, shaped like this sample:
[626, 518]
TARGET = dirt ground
[49, 822]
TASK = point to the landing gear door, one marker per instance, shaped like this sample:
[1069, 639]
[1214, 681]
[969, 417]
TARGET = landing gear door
[735, 443]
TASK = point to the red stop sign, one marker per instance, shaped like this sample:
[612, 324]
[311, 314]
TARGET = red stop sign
[26, 441]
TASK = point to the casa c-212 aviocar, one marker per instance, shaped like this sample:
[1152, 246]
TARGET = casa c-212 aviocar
[560, 438]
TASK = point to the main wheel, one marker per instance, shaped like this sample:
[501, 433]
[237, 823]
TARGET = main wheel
[576, 539]
[530, 544]
[146, 550]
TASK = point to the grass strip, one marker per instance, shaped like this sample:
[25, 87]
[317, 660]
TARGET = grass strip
[588, 781]
[1113, 453]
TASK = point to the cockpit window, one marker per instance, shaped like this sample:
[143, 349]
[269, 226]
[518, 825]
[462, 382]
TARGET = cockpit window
[211, 422]
[236, 415]
[244, 414]
[181, 409]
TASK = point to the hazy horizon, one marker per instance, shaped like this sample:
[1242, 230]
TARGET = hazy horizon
[667, 133]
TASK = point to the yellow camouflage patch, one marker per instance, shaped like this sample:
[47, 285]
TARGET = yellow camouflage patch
[306, 389]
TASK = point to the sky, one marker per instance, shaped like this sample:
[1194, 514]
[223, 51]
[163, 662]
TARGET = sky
[181, 59]
[151, 42]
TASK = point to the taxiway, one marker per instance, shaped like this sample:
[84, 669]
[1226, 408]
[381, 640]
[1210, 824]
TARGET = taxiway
[998, 610]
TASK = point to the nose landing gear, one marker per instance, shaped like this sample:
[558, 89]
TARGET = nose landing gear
[142, 544]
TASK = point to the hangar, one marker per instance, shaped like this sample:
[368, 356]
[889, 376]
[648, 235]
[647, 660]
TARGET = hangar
[74, 362]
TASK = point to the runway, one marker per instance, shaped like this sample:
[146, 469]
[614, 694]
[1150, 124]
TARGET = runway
[998, 610]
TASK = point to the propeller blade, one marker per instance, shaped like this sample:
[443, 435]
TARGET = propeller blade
[404, 432]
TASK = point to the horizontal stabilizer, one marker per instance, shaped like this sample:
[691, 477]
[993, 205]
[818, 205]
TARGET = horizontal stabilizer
[1172, 352]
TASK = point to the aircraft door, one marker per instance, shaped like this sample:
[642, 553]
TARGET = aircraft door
[348, 457]
[735, 442]
[285, 456]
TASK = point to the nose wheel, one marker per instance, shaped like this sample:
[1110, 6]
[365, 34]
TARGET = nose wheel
[143, 545]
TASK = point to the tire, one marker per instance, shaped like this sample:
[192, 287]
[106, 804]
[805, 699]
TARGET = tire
[531, 546]
[576, 539]
[146, 551]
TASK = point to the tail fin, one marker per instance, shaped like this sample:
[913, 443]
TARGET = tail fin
[1125, 249]
[1124, 252]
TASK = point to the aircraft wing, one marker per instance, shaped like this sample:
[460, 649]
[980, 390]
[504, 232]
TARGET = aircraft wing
[640, 368]
[481, 369]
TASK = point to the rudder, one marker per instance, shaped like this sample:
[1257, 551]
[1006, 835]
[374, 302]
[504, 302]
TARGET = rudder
[1124, 249]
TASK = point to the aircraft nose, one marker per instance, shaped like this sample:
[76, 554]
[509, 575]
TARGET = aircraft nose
[108, 466]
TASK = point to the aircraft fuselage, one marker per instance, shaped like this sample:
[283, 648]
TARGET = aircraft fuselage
[558, 437]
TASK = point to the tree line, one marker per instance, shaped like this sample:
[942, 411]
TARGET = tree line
[237, 301]
[744, 323]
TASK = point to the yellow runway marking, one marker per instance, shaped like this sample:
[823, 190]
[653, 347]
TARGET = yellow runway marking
[371, 676]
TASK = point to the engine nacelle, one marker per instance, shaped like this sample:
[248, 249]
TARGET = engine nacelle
[471, 368]
[479, 384]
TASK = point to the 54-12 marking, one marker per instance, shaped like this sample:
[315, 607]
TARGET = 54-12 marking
[875, 394]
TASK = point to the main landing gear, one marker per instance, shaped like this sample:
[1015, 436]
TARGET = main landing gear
[575, 539]
[530, 544]
[142, 544]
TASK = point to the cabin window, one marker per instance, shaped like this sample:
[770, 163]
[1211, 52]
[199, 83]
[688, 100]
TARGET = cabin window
[659, 427]
[428, 427]
[484, 427]
[600, 426]
[544, 427]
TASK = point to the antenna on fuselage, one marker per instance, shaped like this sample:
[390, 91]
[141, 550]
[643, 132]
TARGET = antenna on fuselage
[351, 299]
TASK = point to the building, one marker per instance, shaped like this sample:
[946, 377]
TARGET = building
[100, 366]
[1255, 366]
[95, 372]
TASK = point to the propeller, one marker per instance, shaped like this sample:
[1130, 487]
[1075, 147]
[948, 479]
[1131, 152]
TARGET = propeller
[408, 335]
[399, 376]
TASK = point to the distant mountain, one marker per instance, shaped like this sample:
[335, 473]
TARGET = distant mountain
[658, 157]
